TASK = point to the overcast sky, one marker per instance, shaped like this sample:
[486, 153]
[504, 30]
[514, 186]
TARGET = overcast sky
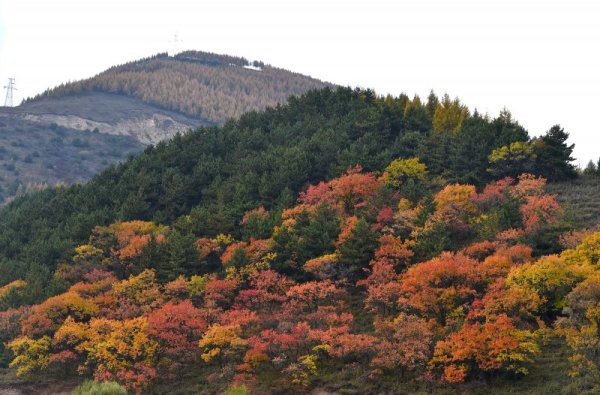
[540, 59]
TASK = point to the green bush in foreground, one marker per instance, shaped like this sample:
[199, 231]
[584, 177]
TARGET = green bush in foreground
[100, 388]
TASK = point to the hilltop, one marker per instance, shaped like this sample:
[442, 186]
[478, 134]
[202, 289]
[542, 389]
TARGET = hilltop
[103, 119]
[208, 87]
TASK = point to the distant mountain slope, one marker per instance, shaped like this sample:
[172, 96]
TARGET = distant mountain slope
[35, 155]
[108, 113]
[199, 84]
[149, 100]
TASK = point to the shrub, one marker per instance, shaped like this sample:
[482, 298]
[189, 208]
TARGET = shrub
[100, 388]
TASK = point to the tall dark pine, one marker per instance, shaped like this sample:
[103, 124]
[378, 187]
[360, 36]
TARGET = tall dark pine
[554, 155]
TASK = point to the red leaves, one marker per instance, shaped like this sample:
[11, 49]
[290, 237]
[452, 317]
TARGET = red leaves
[177, 328]
[405, 342]
[539, 211]
[348, 192]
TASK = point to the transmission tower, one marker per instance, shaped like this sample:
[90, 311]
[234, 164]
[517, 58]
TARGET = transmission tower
[8, 102]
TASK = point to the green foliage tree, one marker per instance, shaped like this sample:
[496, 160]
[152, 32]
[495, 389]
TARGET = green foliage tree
[517, 158]
[358, 249]
[553, 155]
[449, 115]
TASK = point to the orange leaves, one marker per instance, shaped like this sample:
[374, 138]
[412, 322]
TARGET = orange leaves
[306, 298]
[349, 192]
[455, 198]
[232, 249]
[394, 250]
[475, 307]
[438, 287]
[257, 213]
[323, 267]
[528, 185]
[337, 339]
[134, 247]
[383, 287]
[122, 241]
[347, 228]
[495, 344]
[48, 316]
[125, 231]
[539, 211]
[253, 251]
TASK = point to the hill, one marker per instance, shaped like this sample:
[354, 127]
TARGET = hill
[201, 85]
[205, 180]
[346, 291]
[342, 242]
[149, 100]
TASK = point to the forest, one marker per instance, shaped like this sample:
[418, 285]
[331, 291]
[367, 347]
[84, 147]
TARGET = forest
[203, 85]
[345, 242]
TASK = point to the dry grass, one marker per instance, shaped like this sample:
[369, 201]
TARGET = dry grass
[581, 199]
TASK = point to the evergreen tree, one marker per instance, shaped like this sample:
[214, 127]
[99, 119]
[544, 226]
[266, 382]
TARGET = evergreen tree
[591, 169]
[554, 155]
[357, 250]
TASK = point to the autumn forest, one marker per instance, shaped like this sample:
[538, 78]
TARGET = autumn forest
[344, 242]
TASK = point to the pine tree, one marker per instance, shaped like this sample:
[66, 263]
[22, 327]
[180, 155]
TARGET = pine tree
[554, 155]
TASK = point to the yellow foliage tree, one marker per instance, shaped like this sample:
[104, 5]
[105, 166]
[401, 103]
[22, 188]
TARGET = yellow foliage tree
[400, 170]
[221, 342]
[30, 355]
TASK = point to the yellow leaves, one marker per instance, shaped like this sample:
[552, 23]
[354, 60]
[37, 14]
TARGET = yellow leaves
[51, 314]
[30, 355]
[87, 253]
[142, 289]
[400, 170]
[588, 252]
[456, 196]
[517, 151]
[71, 333]
[301, 371]
[15, 286]
[551, 277]
[109, 345]
[221, 341]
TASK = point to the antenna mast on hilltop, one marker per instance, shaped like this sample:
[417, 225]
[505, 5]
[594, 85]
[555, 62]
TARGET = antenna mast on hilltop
[175, 41]
[8, 102]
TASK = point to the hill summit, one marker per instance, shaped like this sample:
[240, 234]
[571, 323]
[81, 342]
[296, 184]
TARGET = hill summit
[201, 85]
[49, 138]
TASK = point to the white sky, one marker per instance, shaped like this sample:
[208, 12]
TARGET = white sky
[540, 59]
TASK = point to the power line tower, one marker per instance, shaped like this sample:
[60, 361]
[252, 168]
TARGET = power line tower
[8, 102]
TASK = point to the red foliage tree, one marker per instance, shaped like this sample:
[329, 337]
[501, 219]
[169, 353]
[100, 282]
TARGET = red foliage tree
[177, 328]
